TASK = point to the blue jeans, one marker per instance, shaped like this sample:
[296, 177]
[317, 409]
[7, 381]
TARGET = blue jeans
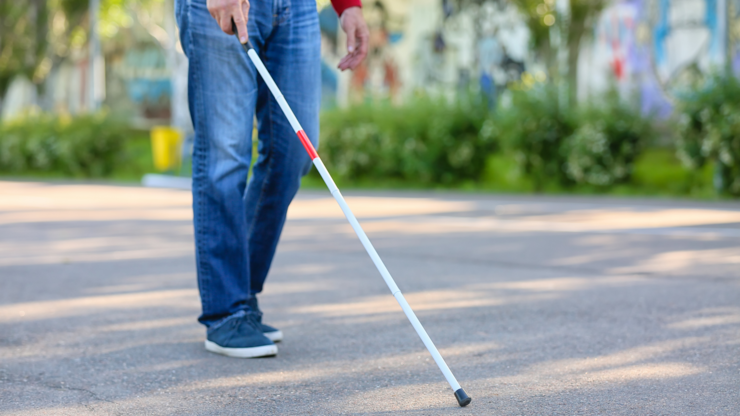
[238, 221]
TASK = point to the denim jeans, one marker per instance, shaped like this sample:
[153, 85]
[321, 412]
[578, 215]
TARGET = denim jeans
[238, 220]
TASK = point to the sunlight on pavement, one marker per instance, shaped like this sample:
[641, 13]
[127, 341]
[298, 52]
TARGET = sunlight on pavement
[719, 317]
[630, 356]
[100, 249]
[696, 261]
[44, 196]
[620, 219]
[419, 301]
[375, 207]
[147, 324]
[565, 284]
[469, 296]
[28, 311]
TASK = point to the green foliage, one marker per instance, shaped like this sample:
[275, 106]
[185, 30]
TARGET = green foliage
[608, 139]
[23, 27]
[709, 130]
[37, 34]
[85, 146]
[117, 14]
[425, 141]
[532, 128]
[532, 143]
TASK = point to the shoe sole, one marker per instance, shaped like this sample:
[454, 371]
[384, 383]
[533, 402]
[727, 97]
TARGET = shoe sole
[252, 352]
[275, 336]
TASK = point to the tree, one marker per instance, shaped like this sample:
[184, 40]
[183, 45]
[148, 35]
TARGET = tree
[580, 20]
[23, 28]
[552, 27]
[36, 35]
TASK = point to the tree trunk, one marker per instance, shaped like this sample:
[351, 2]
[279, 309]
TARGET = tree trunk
[572, 77]
[582, 13]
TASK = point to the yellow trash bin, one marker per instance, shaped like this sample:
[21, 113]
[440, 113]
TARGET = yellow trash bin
[166, 148]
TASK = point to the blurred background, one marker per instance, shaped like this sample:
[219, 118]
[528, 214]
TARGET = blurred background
[557, 96]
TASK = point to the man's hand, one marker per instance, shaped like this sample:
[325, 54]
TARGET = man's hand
[226, 10]
[355, 27]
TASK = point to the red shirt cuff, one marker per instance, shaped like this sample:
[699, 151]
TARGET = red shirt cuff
[341, 5]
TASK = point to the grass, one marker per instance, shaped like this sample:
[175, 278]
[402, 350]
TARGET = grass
[659, 172]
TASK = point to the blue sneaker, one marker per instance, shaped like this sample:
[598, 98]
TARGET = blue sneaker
[239, 335]
[274, 334]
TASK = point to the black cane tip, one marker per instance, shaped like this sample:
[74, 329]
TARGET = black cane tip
[462, 398]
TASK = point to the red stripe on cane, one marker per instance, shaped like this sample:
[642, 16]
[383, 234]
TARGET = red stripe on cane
[307, 144]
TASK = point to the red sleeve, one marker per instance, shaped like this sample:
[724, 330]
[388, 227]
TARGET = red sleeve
[341, 5]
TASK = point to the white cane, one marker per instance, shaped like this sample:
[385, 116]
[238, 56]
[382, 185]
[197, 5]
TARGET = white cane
[462, 398]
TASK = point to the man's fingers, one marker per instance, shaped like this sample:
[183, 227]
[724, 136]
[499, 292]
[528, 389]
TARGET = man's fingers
[351, 41]
[346, 59]
[363, 44]
[353, 63]
[224, 20]
[353, 59]
[245, 12]
[240, 19]
[343, 63]
[349, 62]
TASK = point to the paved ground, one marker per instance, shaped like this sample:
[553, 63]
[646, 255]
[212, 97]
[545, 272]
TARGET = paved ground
[541, 305]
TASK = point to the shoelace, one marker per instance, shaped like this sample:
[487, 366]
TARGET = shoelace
[249, 319]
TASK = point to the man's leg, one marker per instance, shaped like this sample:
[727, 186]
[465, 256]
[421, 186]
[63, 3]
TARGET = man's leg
[292, 54]
[222, 97]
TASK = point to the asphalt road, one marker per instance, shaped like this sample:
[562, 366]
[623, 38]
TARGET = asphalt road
[541, 306]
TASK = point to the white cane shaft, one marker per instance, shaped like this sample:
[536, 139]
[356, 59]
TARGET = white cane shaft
[274, 90]
[386, 275]
[427, 341]
[354, 223]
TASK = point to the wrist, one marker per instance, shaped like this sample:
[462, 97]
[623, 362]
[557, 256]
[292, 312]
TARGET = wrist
[350, 10]
[340, 6]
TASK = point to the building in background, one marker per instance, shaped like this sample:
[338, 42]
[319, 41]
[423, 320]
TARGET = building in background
[657, 48]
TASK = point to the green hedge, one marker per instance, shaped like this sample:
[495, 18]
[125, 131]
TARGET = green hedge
[532, 143]
[709, 131]
[429, 141]
[531, 128]
[425, 141]
[86, 146]
[610, 136]
[595, 144]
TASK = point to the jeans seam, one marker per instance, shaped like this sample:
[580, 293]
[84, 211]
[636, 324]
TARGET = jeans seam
[268, 170]
[204, 271]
